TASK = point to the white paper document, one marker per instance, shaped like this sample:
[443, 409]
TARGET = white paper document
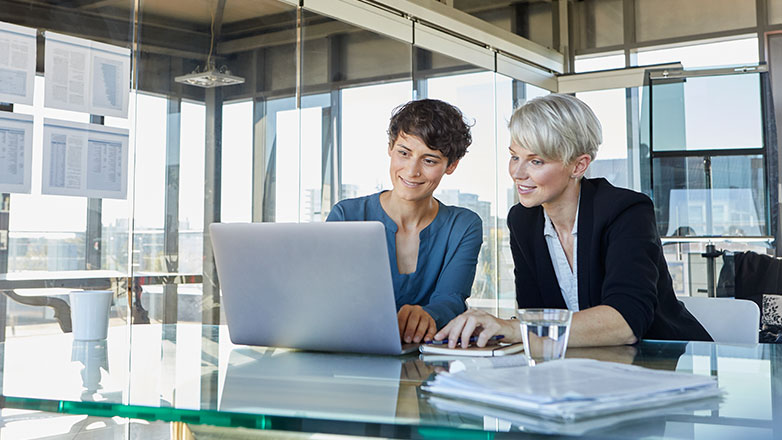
[17, 63]
[572, 389]
[86, 76]
[16, 152]
[86, 160]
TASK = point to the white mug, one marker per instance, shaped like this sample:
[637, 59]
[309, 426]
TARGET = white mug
[90, 314]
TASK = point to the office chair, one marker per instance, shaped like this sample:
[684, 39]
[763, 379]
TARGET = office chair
[727, 320]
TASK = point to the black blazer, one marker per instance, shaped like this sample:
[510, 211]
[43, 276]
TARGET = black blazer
[620, 263]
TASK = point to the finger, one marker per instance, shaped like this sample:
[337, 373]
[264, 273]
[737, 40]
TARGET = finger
[468, 330]
[422, 329]
[401, 318]
[455, 322]
[490, 328]
[453, 333]
[412, 324]
[431, 331]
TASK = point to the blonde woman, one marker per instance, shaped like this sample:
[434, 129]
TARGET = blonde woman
[578, 243]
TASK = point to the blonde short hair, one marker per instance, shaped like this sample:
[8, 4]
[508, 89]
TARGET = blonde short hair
[556, 127]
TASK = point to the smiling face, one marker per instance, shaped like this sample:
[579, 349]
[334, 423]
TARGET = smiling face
[544, 182]
[415, 168]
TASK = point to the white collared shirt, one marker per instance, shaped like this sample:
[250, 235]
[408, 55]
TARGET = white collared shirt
[567, 278]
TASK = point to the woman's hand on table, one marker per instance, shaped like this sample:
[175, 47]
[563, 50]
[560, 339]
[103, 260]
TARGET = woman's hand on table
[415, 325]
[481, 324]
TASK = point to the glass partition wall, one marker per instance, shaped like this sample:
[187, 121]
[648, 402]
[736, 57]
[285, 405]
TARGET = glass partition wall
[710, 171]
[300, 125]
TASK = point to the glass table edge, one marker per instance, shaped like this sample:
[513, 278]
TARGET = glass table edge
[229, 419]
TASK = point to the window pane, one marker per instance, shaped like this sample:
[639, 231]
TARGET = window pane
[365, 115]
[116, 214]
[611, 162]
[590, 64]
[530, 92]
[659, 19]
[597, 23]
[191, 187]
[149, 183]
[311, 164]
[723, 53]
[237, 162]
[39, 239]
[774, 11]
[722, 195]
[707, 113]
[287, 167]
[282, 131]
[352, 80]
[506, 191]
[529, 18]
[472, 93]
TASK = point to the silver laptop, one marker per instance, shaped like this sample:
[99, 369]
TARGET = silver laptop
[312, 286]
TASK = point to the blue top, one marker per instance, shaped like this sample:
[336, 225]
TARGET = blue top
[447, 256]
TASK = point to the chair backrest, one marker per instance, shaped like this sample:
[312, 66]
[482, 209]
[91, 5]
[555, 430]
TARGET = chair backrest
[726, 319]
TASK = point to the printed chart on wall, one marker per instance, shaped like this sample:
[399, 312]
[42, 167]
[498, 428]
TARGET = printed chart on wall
[16, 152]
[86, 160]
[17, 64]
[86, 76]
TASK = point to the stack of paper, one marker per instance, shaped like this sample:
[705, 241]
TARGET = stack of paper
[626, 421]
[572, 389]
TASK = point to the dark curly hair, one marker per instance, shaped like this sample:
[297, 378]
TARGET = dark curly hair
[440, 125]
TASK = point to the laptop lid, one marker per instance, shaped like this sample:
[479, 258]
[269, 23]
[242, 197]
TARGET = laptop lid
[313, 286]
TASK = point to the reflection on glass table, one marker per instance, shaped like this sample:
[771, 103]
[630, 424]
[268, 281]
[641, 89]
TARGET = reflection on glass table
[192, 374]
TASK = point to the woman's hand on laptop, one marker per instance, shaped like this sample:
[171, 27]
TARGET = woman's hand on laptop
[415, 325]
[481, 324]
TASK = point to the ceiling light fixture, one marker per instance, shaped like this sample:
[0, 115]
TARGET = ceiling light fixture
[210, 76]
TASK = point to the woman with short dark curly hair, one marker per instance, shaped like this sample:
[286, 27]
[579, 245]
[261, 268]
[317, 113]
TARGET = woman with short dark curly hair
[433, 248]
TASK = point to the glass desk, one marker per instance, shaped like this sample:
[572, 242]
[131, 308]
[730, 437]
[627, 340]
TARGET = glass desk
[192, 374]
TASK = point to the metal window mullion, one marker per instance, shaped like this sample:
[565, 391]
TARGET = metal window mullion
[260, 127]
[171, 213]
[761, 10]
[421, 62]
[212, 188]
[651, 139]
[710, 153]
[633, 120]
[92, 254]
[495, 223]
[5, 217]
[672, 74]
[770, 160]
[628, 29]
[562, 29]
[331, 184]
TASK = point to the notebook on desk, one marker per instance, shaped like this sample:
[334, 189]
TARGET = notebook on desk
[312, 286]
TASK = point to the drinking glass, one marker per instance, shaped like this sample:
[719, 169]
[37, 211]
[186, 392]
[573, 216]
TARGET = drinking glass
[545, 333]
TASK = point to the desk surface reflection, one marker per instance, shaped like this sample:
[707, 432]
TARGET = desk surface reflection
[193, 374]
